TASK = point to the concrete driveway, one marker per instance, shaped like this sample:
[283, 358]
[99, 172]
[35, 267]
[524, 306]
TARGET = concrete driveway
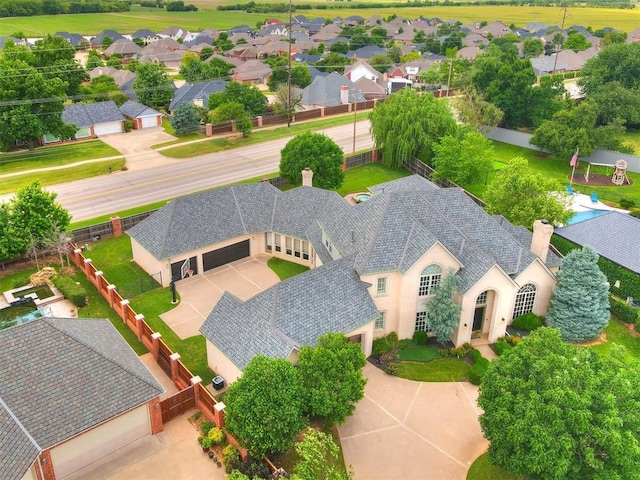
[200, 293]
[413, 430]
[136, 147]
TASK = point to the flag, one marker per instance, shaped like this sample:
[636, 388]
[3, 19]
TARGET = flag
[574, 160]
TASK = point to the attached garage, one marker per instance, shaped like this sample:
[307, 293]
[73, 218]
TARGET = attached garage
[107, 128]
[176, 269]
[101, 441]
[149, 122]
[222, 256]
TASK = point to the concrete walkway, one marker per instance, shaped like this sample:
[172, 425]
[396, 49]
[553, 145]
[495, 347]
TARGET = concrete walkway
[200, 293]
[413, 430]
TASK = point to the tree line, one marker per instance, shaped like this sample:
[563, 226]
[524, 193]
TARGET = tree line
[30, 8]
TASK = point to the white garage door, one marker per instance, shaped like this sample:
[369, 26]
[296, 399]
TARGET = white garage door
[148, 122]
[107, 128]
[94, 444]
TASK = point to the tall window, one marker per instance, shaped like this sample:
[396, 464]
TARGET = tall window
[269, 241]
[276, 239]
[482, 298]
[380, 321]
[429, 280]
[421, 322]
[525, 298]
[382, 286]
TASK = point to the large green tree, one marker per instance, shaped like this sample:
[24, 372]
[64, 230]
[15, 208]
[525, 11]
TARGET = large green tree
[300, 75]
[443, 315]
[316, 151]
[194, 70]
[12, 244]
[55, 58]
[185, 119]
[265, 406]
[235, 113]
[103, 88]
[473, 110]
[408, 124]
[523, 196]
[579, 307]
[332, 377]
[619, 62]
[577, 42]
[320, 458]
[152, 85]
[36, 216]
[553, 411]
[466, 161]
[253, 100]
[334, 62]
[31, 105]
[615, 104]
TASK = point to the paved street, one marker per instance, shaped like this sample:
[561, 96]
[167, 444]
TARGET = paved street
[153, 177]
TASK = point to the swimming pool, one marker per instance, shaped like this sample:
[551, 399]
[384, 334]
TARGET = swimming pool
[586, 215]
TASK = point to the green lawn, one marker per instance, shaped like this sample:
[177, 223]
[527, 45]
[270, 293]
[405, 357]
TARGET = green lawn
[483, 469]
[358, 179]
[166, 124]
[285, 269]
[258, 136]
[617, 333]
[15, 280]
[440, 370]
[633, 137]
[54, 156]
[52, 177]
[410, 351]
[122, 213]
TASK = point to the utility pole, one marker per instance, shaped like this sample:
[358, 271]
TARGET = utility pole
[289, 112]
[555, 61]
[355, 114]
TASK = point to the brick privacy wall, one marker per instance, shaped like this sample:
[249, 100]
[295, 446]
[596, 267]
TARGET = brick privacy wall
[155, 414]
[105, 229]
[47, 466]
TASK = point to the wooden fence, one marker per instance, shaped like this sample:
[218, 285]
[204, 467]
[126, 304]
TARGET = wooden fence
[177, 404]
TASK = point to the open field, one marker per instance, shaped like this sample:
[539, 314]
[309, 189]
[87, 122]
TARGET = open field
[208, 17]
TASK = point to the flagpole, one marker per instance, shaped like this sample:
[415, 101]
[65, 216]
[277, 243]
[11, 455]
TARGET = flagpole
[573, 171]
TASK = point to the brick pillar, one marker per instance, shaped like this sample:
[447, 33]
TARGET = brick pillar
[259, 118]
[234, 128]
[196, 391]
[139, 318]
[116, 226]
[75, 255]
[125, 306]
[86, 268]
[111, 288]
[321, 112]
[97, 282]
[47, 466]
[374, 155]
[155, 416]
[208, 130]
[155, 344]
[174, 357]
[218, 414]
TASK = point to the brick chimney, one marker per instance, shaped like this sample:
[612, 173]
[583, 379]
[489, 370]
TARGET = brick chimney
[344, 94]
[542, 231]
[307, 177]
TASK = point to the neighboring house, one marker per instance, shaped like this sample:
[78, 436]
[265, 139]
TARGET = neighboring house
[474, 40]
[125, 48]
[167, 58]
[146, 35]
[120, 76]
[327, 32]
[368, 51]
[73, 39]
[571, 59]
[469, 53]
[400, 242]
[589, 52]
[141, 115]
[362, 69]
[612, 235]
[369, 89]
[545, 65]
[196, 94]
[415, 67]
[327, 91]
[94, 119]
[253, 72]
[96, 41]
[274, 29]
[178, 33]
[16, 41]
[72, 392]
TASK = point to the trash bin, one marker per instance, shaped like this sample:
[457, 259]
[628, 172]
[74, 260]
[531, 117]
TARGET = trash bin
[218, 383]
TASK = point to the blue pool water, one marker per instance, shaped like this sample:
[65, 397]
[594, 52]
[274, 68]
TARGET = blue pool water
[586, 215]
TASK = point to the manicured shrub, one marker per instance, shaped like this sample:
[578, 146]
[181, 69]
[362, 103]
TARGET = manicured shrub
[385, 344]
[501, 347]
[476, 355]
[230, 458]
[206, 427]
[476, 374]
[443, 352]
[217, 436]
[528, 321]
[392, 369]
[420, 337]
[460, 352]
[71, 290]
[624, 203]
[624, 312]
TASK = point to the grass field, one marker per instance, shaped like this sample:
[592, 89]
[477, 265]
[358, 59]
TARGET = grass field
[440, 370]
[208, 17]
[483, 469]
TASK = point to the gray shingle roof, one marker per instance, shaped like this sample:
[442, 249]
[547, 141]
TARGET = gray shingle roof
[613, 235]
[87, 114]
[18, 450]
[200, 91]
[325, 91]
[134, 110]
[288, 315]
[61, 377]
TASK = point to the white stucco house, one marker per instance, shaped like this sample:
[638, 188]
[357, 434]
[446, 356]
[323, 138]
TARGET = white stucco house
[373, 264]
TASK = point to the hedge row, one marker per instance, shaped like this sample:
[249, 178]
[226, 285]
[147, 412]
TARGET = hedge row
[71, 290]
[624, 312]
[629, 281]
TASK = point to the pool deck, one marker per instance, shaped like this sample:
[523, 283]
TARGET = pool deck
[582, 203]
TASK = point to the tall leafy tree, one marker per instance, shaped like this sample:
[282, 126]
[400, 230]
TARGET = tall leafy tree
[334, 62]
[253, 100]
[615, 103]
[30, 104]
[12, 243]
[103, 88]
[466, 161]
[55, 58]
[316, 151]
[185, 119]
[554, 411]
[579, 307]
[319, 456]
[265, 406]
[282, 104]
[474, 110]
[523, 196]
[577, 42]
[152, 85]
[235, 113]
[532, 47]
[35, 214]
[194, 70]
[619, 62]
[408, 124]
[443, 315]
[94, 60]
[332, 377]
[300, 75]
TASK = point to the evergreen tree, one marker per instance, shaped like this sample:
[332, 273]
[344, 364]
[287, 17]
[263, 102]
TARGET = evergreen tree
[579, 307]
[443, 315]
[185, 119]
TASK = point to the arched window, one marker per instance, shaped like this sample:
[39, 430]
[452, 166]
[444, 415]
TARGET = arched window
[429, 280]
[525, 298]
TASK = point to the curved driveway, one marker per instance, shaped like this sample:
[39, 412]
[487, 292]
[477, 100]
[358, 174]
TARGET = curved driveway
[154, 177]
[413, 430]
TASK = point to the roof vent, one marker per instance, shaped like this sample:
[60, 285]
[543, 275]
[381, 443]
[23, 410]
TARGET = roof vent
[353, 236]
